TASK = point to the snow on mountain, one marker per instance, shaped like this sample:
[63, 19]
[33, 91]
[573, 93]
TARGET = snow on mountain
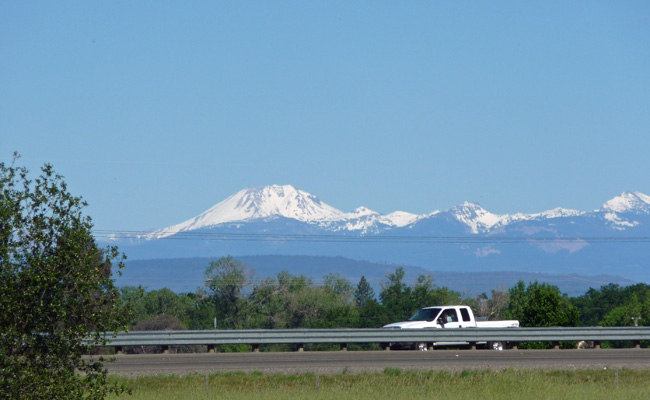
[626, 203]
[257, 203]
[362, 219]
[401, 218]
[361, 212]
[286, 201]
[365, 220]
[629, 202]
[618, 222]
[475, 217]
[559, 213]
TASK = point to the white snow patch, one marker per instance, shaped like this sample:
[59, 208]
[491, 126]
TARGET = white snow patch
[475, 216]
[619, 223]
[560, 213]
[628, 202]
[401, 218]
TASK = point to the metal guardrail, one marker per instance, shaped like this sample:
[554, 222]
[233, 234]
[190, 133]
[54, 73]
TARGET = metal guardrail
[255, 338]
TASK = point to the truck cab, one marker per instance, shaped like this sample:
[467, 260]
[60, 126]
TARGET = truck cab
[439, 317]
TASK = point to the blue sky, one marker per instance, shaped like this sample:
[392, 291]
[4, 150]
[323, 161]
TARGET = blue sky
[155, 111]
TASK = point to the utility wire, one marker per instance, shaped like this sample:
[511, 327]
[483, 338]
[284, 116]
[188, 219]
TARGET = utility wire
[323, 238]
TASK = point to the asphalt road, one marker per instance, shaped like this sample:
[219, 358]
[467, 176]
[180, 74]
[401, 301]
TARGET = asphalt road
[375, 361]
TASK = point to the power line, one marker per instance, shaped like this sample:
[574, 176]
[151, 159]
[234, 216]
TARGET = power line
[350, 238]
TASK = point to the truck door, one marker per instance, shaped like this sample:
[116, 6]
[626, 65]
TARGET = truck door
[450, 319]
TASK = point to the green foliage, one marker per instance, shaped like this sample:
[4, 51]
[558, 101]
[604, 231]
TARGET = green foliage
[540, 305]
[370, 313]
[225, 281]
[426, 294]
[363, 293]
[57, 296]
[396, 297]
[400, 300]
[613, 305]
[148, 304]
[338, 285]
[162, 322]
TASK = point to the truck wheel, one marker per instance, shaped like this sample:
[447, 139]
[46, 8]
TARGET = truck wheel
[421, 346]
[498, 346]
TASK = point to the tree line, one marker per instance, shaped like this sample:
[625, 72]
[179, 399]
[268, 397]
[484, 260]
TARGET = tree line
[231, 298]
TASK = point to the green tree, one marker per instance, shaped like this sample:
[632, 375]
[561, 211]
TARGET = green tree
[613, 305]
[225, 282]
[57, 297]
[338, 285]
[371, 313]
[596, 303]
[396, 297]
[267, 305]
[541, 305]
[132, 296]
[147, 304]
[363, 293]
[635, 311]
[427, 294]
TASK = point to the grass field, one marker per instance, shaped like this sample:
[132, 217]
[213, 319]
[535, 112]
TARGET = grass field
[396, 384]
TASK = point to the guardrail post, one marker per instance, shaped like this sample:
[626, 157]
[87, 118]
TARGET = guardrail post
[165, 349]
[430, 346]
[472, 345]
[344, 347]
[301, 347]
[637, 344]
[212, 348]
[255, 348]
[118, 350]
[596, 344]
[556, 345]
[515, 345]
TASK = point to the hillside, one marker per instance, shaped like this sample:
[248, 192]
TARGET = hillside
[186, 274]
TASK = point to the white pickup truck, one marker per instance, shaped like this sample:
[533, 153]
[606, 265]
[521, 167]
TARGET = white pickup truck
[448, 317]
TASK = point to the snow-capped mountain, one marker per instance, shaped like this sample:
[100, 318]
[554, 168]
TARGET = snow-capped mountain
[622, 211]
[284, 220]
[259, 203]
[629, 202]
[270, 202]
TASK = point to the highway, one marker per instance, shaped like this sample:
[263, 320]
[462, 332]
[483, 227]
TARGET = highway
[375, 361]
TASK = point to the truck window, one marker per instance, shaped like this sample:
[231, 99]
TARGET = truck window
[425, 314]
[465, 314]
[450, 315]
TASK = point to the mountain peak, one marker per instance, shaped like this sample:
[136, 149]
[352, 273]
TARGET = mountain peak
[475, 216]
[628, 202]
[258, 203]
[361, 211]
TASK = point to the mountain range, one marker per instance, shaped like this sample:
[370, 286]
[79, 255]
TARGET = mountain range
[283, 220]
